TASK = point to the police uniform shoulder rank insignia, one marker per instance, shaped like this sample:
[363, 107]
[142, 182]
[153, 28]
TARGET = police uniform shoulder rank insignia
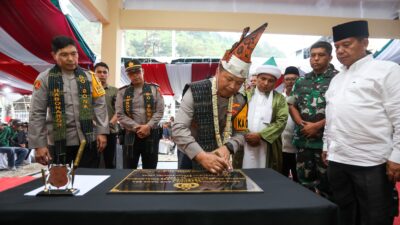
[156, 86]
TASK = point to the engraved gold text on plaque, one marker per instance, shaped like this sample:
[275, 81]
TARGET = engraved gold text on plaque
[193, 181]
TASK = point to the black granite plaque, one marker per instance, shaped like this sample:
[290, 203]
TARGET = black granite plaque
[184, 181]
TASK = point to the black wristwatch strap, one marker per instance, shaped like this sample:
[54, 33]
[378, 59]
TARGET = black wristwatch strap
[229, 146]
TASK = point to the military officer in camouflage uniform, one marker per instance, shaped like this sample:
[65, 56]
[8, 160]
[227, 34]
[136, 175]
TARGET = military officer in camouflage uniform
[140, 107]
[212, 114]
[307, 108]
[65, 102]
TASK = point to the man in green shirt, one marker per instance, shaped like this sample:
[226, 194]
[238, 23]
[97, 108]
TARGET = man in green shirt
[102, 72]
[307, 108]
[6, 134]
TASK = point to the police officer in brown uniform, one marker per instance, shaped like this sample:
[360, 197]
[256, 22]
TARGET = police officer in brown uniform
[140, 107]
[67, 107]
[211, 120]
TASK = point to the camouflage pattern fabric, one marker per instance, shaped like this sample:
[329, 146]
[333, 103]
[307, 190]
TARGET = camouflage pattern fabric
[312, 172]
[309, 99]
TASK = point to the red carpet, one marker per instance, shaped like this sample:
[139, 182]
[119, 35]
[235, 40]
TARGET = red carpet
[10, 182]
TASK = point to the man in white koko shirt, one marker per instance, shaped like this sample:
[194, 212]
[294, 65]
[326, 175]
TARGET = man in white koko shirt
[362, 134]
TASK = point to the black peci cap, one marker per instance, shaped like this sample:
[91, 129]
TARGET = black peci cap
[357, 28]
[291, 70]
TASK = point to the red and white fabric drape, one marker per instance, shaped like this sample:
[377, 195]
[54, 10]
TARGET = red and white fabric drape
[157, 73]
[172, 78]
[26, 31]
[179, 75]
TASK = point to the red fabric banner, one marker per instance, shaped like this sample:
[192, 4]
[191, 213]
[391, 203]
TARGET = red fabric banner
[201, 71]
[157, 73]
[17, 69]
[33, 24]
[279, 81]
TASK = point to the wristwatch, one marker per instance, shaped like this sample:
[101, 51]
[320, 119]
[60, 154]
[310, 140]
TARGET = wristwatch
[229, 146]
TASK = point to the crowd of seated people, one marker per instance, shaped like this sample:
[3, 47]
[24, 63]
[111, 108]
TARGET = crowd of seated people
[14, 143]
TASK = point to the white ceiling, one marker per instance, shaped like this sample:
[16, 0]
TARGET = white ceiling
[367, 9]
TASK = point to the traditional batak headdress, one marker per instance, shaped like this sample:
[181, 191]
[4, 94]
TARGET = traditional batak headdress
[237, 60]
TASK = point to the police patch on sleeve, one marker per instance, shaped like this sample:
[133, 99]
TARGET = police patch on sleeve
[37, 84]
